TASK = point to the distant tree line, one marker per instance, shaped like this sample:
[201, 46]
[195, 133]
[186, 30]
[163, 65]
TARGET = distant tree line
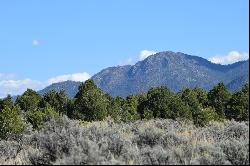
[92, 104]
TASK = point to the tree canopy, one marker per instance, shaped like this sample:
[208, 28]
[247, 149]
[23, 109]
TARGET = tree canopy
[92, 104]
[29, 100]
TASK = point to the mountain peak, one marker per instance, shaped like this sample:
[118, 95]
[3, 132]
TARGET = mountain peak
[172, 69]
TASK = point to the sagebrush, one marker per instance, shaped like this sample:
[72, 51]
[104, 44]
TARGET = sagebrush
[159, 141]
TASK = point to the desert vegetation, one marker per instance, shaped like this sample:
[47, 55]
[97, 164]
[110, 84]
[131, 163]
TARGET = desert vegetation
[192, 126]
[156, 141]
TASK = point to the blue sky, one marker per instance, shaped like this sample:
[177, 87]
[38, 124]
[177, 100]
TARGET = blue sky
[43, 40]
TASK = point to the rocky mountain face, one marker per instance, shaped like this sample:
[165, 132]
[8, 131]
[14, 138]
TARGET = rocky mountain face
[174, 70]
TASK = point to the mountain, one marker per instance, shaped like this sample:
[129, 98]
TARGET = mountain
[70, 87]
[238, 82]
[174, 70]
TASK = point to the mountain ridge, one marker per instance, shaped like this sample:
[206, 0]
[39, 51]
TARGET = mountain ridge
[175, 70]
[164, 68]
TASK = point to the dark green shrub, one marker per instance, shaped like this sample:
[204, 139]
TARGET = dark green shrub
[29, 100]
[37, 117]
[218, 98]
[158, 101]
[58, 100]
[238, 105]
[180, 110]
[202, 117]
[148, 114]
[10, 122]
[91, 103]
[6, 103]
[129, 109]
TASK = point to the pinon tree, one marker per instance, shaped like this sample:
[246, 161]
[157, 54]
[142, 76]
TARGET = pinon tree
[91, 103]
[218, 98]
[238, 105]
[142, 104]
[158, 101]
[180, 110]
[194, 99]
[201, 95]
[189, 97]
[29, 100]
[115, 107]
[58, 100]
[6, 102]
[11, 122]
[129, 109]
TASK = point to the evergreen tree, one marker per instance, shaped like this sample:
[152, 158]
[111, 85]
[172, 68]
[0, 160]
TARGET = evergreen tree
[193, 100]
[179, 109]
[11, 122]
[115, 107]
[204, 116]
[142, 103]
[218, 98]
[58, 100]
[6, 103]
[147, 113]
[37, 117]
[201, 95]
[29, 100]
[189, 97]
[158, 101]
[91, 103]
[129, 109]
[238, 106]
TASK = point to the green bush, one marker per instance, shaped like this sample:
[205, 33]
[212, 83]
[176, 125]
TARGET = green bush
[37, 117]
[202, 117]
[10, 122]
[148, 114]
